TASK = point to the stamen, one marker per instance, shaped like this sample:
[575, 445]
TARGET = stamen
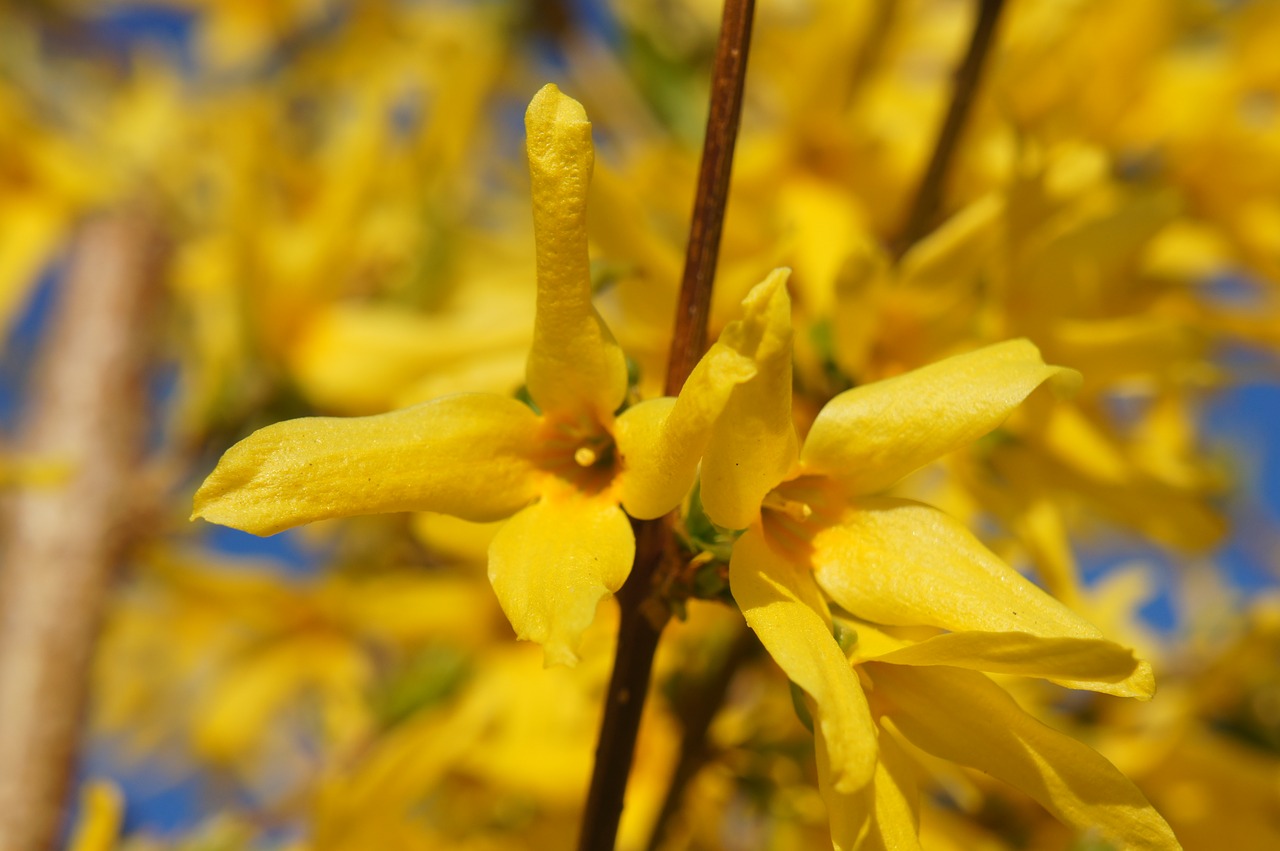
[793, 508]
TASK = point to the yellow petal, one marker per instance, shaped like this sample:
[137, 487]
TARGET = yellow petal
[238, 712]
[1127, 347]
[29, 233]
[1169, 515]
[453, 540]
[964, 717]
[898, 562]
[871, 436]
[575, 364]
[102, 814]
[895, 823]
[1065, 433]
[951, 257]
[787, 612]
[498, 370]
[358, 358]
[553, 563]
[410, 608]
[826, 221]
[465, 455]
[1094, 664]
[1043, 531]
[848, 811]
[662, 440]
[753, 445]
[861, 284]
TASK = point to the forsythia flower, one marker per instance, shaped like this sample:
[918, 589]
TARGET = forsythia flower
[562, 472]
[815, 532]
[102, 813]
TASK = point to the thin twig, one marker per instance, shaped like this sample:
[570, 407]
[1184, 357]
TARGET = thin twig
[696, 711]
[727, 80]
[65, 540]
[642, 622]
[638, 633]
[928, 200]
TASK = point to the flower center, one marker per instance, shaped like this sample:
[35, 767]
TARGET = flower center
[795, 511]
[579, 452]
[793, 508]
[597, 449]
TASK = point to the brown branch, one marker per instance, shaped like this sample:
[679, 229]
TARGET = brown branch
[643, 617]
[696, 712]
[65, 540]
[928, 200]
[638, 631]
[727, 80]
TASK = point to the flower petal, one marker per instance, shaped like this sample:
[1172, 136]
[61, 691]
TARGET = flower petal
[465, 455]
[753, 446]
[964, 717]
[784, 607]
[895, 822]
[553, 563]
[355, 358]
[894, 561]
[871, 436]
[661, 441]
[575, 364]
[101, 817]
[1094, 664]
[848, 812]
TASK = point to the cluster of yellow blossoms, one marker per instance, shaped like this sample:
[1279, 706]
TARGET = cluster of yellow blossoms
[566, 465]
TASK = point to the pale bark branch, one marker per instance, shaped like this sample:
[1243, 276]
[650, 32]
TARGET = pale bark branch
[64, 540]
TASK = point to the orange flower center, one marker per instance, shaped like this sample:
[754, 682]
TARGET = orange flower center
[796, 510]
[578, 452]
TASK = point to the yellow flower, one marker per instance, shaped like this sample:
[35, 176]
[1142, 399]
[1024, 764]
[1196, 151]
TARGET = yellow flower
[562, 472]
[102, 812]
[220, 656]
[44, 185]
[816, 532]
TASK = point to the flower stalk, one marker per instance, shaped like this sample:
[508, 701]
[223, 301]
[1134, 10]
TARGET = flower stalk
[928, 199]
[728, 78]
[697, 711]
[641, 623]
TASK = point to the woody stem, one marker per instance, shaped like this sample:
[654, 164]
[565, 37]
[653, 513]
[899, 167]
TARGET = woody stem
[642, 617]
[928, 200]
[697, 709]
[727, 80]
[67, 540]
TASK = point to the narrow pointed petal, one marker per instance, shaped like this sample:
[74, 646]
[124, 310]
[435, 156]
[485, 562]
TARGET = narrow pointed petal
[787, 612]
[1088, 663]
[553, 563]
[895, 823]
[871, 436]
[899, 562]
[964, 717]
[661, 441]
[753, 446]
[465, 455]
[102, 808]
[575, 364]
[357, 358]
[849, 811]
